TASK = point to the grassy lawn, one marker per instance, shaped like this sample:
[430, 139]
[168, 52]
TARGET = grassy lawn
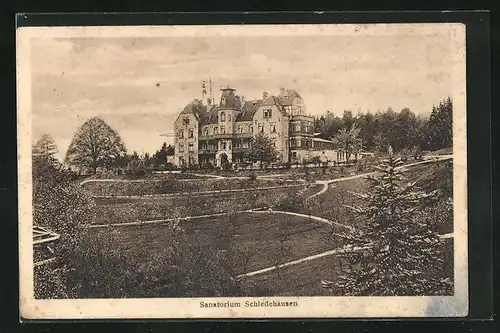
[303, 279]
[256, 235]
[120, 210]
[264, 240]
[152, 187]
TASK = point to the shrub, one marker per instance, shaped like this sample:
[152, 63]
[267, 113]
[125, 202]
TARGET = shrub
[403, 252]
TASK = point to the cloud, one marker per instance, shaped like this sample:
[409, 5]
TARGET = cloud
[138, 85]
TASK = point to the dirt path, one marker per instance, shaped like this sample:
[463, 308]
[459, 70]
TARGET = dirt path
[316, 256]
[312, 217]
[172, 195]
[326, 183]
[299, 261]
[253, 211]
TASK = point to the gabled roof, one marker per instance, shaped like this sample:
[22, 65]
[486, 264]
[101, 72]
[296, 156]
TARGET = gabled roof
[248, 110]
[194, 107]
[287, 96]
[210, 115]
[272, 100]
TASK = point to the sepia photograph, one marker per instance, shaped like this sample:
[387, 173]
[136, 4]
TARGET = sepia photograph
[251, 171]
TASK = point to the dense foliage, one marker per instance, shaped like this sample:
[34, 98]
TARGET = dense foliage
[262, 149]
[400, 130]
[399, 252]
[95, 145]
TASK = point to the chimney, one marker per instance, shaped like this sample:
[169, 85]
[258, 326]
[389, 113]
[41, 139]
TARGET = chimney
[265, 95]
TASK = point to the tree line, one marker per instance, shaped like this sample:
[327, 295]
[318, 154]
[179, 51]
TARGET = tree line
[400, 130]
[97, 145]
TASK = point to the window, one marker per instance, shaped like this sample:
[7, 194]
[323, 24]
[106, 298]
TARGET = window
[261, 128]
[191, 134]
[223, 145]
[191, 147]
[245, 144]
[267, 113]
[181, 160]
[250, 128]
[273, 127]
[223, 130]
[229, 117]
[216, 130]
[294, 155]
[274, 143]
[181, 135]
[222, 116]
[186, 121]
[237, 144]
[240, 129]
[181, 147]
[205, 131]
[191, 160]
[293, 142]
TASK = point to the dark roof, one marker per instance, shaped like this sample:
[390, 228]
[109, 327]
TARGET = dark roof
[248, 110]
[194, 107]
[205, 114]
[229, 100]
[272, 100]
[286, 96]
[210, 116]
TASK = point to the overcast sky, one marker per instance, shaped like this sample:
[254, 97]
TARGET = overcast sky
[138, 85]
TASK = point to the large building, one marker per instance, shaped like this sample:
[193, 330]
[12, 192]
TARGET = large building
[219, 134]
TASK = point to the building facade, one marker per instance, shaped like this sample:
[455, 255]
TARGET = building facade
[219, 134]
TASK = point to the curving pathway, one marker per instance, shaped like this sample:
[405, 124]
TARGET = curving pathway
[326, 183]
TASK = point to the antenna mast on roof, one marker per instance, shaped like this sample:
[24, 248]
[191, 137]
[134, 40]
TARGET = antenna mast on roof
[203, 90]
[210, 89]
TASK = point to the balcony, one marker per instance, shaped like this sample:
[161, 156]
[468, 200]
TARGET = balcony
[207, 151]
[226, 136]
[240, 150]
[217, 136]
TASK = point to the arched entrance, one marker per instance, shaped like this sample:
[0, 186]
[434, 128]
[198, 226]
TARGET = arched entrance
[223, 160]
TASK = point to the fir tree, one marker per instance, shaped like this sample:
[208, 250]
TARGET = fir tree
[402, 250]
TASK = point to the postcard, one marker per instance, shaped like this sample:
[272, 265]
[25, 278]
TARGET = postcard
[242, 171]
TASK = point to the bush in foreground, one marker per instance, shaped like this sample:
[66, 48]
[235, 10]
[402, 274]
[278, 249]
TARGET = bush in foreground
[399, 251]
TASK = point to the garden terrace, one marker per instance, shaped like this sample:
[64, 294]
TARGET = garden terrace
[174, 186]
[257, 235]
[121, 210]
